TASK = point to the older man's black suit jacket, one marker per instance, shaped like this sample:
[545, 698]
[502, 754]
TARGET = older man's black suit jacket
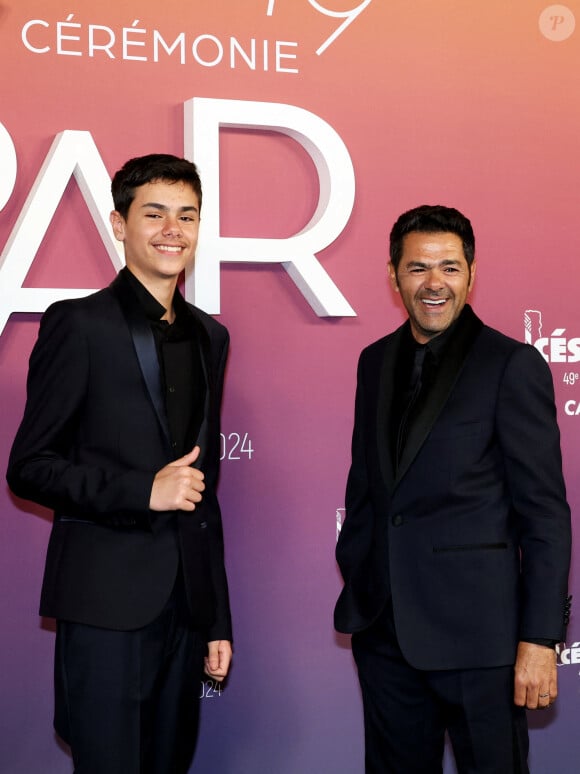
[93, 436]
[470, 536]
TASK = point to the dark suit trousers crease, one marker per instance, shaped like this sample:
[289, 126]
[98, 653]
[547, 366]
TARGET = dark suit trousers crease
[128, 702]
[407, 711]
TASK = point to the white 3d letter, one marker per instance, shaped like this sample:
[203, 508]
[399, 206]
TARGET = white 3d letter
[8, 166]
[72, 153]
[203, 119]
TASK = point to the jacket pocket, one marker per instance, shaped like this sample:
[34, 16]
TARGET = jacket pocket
[73, 520]
[470, 547]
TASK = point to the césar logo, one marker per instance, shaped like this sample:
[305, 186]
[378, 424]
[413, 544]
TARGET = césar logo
[567, 656]
[555, 348]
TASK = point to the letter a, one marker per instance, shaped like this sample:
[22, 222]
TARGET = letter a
[72, 153]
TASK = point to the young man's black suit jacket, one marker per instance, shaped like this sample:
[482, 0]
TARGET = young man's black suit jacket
[471, 535]
[93, 436]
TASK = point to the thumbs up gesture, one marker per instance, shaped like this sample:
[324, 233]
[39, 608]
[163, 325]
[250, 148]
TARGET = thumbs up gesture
[178, 486]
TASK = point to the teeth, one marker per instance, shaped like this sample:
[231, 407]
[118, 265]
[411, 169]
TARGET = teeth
[433, 302]
[169, 248]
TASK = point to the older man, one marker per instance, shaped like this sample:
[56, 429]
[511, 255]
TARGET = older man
[456, 545]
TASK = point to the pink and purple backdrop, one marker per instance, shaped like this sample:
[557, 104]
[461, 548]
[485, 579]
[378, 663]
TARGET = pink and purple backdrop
[469, 104]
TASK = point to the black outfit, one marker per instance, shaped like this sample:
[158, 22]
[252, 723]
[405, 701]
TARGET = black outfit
[113, 396]
[456, 543]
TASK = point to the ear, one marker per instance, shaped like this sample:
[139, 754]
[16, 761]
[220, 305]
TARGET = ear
[118, 225]
[473, 267]
[392, 276]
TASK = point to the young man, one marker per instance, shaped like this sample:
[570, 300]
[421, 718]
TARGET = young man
[121, 438]
[456, 544]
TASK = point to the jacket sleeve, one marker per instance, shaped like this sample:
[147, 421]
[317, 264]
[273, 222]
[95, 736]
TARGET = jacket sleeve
[530, 442]
[44, 462]
[356, 534]
[222, 628]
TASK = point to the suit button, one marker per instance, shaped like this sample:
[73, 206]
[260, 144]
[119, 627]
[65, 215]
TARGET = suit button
[397, 520]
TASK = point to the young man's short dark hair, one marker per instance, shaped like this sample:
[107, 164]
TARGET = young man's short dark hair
[148, 169]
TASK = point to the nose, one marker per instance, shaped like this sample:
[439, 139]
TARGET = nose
[172, 226]
[434, 280]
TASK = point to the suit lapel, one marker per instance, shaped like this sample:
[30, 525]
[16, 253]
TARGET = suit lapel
[452, 361]
[385, 401]
[144, 344]
[201, 337]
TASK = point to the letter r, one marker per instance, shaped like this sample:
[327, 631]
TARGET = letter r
[203, 118]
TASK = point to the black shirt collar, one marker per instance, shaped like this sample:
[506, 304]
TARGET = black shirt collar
[438, 344]
[150, 305]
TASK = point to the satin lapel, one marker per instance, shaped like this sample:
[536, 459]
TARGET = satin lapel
[452, 362]
[384, 403]
[201, 337]
[145, 349]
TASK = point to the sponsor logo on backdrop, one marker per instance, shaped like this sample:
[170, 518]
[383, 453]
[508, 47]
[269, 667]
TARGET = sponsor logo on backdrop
[568, 656]
[557, 23]
[140, 41]
[556, 345]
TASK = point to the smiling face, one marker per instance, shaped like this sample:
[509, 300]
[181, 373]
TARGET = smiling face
[160, 231]
[434, 280]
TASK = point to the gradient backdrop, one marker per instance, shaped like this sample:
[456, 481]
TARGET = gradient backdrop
[473, 105]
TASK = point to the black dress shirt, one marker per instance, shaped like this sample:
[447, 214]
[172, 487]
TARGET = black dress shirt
[415, 373]
[180, 365]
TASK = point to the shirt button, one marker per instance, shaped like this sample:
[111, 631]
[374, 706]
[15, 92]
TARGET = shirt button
[397, 520]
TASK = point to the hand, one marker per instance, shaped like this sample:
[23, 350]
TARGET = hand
[217, 662]
[536, 678]
[177, 486]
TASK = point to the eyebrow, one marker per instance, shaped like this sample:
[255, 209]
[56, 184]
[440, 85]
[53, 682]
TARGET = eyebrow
[427, 264]
[164, 208]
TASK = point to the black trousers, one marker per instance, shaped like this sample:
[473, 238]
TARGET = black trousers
[128, 702]
[407, 711]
